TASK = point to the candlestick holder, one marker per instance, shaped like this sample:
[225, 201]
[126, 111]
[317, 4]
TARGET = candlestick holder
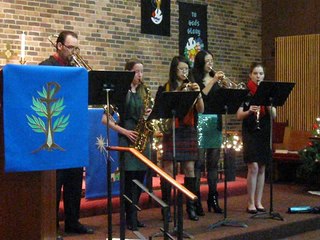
[22, 61]
[7, 53]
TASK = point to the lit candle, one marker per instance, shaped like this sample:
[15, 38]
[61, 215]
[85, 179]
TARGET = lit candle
[23, 46]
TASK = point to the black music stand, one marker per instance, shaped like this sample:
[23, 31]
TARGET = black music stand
[271, 94]
[175, 105]
[226, 101]
[107, 87]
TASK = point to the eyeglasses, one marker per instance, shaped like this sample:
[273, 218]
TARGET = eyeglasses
[71, 48]
[183, 69]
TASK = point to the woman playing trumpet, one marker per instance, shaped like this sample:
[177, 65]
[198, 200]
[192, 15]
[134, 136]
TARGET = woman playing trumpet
[209, 149]
[256, 149]
[186, 138]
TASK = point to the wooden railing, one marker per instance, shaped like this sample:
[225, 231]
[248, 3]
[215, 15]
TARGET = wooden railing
[158, 170]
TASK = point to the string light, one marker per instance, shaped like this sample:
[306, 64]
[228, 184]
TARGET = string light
[232, 141]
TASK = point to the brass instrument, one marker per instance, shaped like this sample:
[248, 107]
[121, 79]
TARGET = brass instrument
[76, 59]
[226, 82]
[144, 127]
[165, 124]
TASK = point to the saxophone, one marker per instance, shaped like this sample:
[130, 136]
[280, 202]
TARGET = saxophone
[144, 127]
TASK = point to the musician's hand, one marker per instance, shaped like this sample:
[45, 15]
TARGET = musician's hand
[194, 86]
[148, 112]
[219, 75]
[132, 135]
[254, 108]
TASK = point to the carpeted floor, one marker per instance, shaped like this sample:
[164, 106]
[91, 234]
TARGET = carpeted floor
[294, 226]
[94, 207]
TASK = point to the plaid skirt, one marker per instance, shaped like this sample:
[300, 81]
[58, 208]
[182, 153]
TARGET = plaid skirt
[186, 145]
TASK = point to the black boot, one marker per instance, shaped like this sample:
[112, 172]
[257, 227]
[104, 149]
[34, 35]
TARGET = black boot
[198, 204]
[213, 202]
[166, 197]
[191, 207]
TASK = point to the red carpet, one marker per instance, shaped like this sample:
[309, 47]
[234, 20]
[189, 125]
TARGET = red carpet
[294, 226]
[99, 206]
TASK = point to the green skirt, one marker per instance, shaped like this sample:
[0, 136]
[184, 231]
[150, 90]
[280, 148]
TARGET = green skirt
[209, 136]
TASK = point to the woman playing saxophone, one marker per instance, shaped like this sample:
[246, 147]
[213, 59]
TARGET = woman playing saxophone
[133, 110]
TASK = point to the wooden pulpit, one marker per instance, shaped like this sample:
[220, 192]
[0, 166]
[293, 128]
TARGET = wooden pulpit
[27, 200]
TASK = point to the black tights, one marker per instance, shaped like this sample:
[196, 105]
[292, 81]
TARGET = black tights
[133, 192]
[208, 157]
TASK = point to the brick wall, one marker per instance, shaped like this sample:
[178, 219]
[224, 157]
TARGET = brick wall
[109, 33]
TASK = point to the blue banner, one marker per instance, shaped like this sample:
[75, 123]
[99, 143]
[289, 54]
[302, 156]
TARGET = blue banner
[45, 111]
[96, 172]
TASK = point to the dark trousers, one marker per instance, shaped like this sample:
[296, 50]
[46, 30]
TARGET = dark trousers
[71, 181]
[133, 192]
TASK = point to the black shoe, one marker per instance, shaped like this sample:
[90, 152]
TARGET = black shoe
[78, 228]
[131, 228]
[59, 237]
[212, 202]
[252, 211]
[261, 209]
[140, 224]
[199, 208]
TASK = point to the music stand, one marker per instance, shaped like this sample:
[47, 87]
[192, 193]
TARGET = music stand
[107, 87]
[271, 94]
[175, 105]
[226, 101]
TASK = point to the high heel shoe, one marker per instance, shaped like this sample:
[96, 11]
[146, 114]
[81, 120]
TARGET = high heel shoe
[212, 202]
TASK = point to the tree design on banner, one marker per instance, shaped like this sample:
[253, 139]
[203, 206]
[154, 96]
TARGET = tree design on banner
[48, 107]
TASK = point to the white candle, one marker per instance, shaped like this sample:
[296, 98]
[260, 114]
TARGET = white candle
[23, 46]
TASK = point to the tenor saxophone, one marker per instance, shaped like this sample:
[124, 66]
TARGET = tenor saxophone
[144, 127]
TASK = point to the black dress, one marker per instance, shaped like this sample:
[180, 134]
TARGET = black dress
[256, 143]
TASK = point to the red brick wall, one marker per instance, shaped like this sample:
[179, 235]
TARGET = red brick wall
[109, 33]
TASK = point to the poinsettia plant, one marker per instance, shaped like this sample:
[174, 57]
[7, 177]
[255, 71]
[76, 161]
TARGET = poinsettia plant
[309, 171]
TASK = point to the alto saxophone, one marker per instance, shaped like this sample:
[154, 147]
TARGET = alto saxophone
[144, 127]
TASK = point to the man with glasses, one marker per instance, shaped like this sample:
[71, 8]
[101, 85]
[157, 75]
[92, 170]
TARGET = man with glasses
[69, 179]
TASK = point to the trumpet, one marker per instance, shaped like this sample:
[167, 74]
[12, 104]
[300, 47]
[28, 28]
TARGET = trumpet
[226, 82]
[76, 59]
